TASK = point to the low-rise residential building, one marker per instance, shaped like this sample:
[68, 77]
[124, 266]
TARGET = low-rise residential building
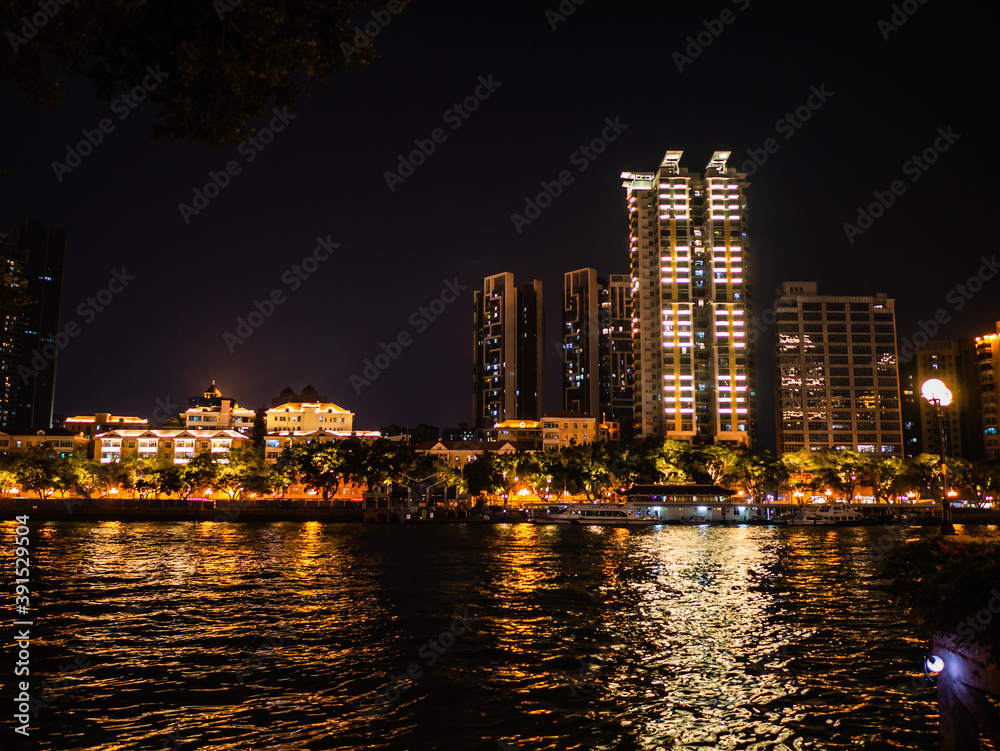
[562, 429]
[525, 433]
[275, 443]
[227, 416]
[60, 442]
[459, 453]
[306, 417]
[213, 411]
[166, 446]
[102, 422]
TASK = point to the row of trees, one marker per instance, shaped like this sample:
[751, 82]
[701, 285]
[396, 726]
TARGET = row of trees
[596, 469]
[592, 470]
[238, 473]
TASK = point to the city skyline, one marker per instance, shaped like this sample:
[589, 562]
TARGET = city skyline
[816, 161]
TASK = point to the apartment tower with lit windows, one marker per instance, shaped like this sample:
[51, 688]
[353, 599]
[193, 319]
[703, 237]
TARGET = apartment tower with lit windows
[988, 361]
[596, 348]
[691, 303]
[508, 359]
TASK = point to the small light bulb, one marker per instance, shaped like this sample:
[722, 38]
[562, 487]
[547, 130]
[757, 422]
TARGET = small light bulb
[935, 664]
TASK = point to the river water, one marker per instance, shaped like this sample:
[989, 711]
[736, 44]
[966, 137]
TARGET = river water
[210, 636]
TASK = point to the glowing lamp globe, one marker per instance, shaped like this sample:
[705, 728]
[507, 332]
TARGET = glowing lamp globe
[935, 390]
[934, 664]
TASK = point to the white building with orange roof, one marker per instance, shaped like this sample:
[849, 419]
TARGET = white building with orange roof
[307, 417]
[165, 446]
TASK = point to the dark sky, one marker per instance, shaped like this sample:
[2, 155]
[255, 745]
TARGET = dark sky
[323, 175]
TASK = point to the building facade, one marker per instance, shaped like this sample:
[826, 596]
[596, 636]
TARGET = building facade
[691, 303]
[213, 411]
[459, 453]
[32, 260]
[509, 329]
[836, 372]
[566, 428]
[954, 362]
[58, 442]
[303, 417]
[165, 446]
[988, 362]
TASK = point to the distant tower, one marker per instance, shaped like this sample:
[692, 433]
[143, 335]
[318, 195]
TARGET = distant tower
[32, 260]
[581, 342]
[988, 357]
[690, 274]
[508, 359]
[954, 362]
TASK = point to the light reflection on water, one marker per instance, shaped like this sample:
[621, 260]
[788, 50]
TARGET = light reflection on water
[281, 636]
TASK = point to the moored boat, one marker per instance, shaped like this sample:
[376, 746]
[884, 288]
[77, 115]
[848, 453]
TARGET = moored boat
[828, 515]
[611, 515]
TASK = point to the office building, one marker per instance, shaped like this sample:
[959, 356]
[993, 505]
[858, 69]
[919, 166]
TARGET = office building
[988, 362]
[837, 378]
[690, 274]
[953, 362]
[509, 351]
[32, 260]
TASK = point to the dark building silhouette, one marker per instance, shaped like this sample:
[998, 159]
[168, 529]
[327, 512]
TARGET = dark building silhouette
[508, 359]
[308, 396]
[32, 260]
[596, 348]
[953, 362]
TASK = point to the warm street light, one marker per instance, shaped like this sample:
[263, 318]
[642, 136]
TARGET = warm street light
[935, 391]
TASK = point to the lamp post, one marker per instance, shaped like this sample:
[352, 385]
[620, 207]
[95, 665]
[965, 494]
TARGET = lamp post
[937, 393]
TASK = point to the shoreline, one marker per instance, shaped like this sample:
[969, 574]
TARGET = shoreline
[77, 509]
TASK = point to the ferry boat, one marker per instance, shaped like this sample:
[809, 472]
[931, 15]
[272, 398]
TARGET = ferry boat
[611, 515]
[828, 515]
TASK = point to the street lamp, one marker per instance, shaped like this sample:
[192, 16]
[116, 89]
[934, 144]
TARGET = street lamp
[937, 393]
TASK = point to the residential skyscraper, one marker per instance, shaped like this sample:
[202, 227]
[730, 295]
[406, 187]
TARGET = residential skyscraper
[988, 360]
[596, 347]
[616, 368]
[509, 351]
[690, 274]
[32, 259]
[837, 378]
[913, 436]
[581, 342]
[954, 362]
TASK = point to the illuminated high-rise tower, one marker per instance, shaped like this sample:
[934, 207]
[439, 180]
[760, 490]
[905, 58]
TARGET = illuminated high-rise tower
[691, 300]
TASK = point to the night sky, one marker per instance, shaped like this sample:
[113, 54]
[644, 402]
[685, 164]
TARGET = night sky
[323, 177]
